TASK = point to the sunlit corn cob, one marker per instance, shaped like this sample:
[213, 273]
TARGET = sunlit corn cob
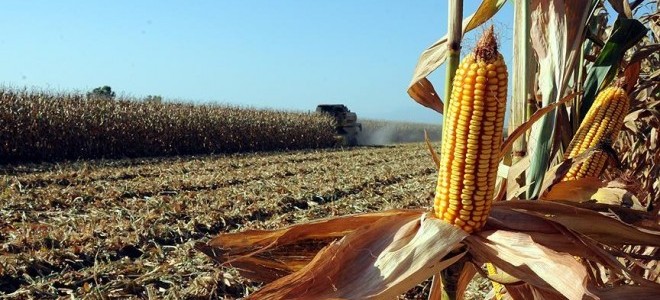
[472, 137]
[603, 121]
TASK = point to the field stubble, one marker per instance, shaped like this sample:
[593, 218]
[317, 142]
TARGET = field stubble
[127, 228]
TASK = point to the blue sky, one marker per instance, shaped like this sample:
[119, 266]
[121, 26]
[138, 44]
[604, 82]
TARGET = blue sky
[278, 54]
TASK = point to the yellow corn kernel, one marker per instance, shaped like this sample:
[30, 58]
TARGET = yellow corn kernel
[472, 137]
[603, 121]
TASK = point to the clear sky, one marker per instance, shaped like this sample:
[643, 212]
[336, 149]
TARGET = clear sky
[279, 54]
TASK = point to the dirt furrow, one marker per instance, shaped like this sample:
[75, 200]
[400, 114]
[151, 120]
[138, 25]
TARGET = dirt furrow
[132, 236]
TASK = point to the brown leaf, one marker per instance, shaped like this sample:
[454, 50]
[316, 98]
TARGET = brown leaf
[267, 255]
[527, 291]
[629, 120]
[544, 231]
[608, 230]
[558, 172]
[644, 220]
[627, 292]
[434, 155]
[380, 260]
[423, 92]
[579, 190]
[614, 195]
[436, 290]
[467, 273]
[519, 255]
[631, 75]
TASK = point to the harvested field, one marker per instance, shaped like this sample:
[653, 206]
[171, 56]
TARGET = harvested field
[127, 228]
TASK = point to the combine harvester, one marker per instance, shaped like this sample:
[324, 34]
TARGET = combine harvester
[346, 125]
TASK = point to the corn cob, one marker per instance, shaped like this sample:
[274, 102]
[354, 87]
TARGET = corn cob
[603, 121]
[472, 137]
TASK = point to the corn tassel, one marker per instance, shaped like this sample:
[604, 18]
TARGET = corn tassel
[472, 137]
[603, 121]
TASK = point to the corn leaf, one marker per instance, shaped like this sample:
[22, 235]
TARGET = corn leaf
[610, 231]
[519, 255]
[558, 237]
[268, 255]
[467, 273]
[631, 75]
[527, 291]
[520, 130]
[434, 155]
[627, 292]
[579, 190]
[593, 189]
[424, 93]
[558, 172]
[378, 261]
[556, 57]
[625, 34]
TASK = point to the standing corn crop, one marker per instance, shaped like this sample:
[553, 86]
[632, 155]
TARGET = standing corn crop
[472, 137]
[602, 122]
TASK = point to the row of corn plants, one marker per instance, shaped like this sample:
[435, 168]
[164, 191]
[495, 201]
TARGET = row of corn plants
[38, 126]
[587, 236]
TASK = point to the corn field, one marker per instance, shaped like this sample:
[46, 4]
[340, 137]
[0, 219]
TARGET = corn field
[550, 213]
[39, 126]
[126, 228]
[566, 207]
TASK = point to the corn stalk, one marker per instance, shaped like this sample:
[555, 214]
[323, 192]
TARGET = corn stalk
[522, 68]
[449, 276]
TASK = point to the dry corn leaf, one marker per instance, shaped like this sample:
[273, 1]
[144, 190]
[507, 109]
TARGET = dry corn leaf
[631, 75]
[562, 239]
[548, 234]
[424, 93]
[614, 195]
[645, 220]
[609, 230]
[268, 255]
[514, 172]
[579, 190]
[467, 273]
[593, 189]
[434, 155]
[535, 241]
[420, 89]
[558, 172]
[378, 261]
[519, 255]
[556, 57]
[527, 291]
[627, 292]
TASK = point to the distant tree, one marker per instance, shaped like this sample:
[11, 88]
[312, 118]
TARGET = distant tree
[154, 99]
[104, 92]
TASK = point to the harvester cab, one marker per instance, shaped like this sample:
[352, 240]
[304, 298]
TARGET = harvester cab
[346, 125]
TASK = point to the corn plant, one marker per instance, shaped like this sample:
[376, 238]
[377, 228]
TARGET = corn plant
[40, 126]
[584, 239]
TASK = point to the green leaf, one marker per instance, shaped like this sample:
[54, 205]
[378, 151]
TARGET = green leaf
[625, 34]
